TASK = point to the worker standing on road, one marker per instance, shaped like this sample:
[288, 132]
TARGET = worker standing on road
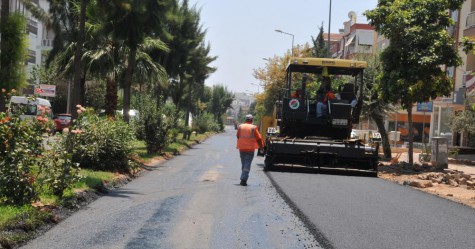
[249, 139]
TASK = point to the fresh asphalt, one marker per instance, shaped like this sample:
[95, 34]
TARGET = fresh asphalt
[191, 201]
[194, 201]
[367, 212]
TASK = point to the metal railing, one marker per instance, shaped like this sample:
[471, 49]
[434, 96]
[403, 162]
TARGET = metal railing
[47, 43]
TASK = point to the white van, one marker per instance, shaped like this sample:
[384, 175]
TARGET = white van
[28, 108]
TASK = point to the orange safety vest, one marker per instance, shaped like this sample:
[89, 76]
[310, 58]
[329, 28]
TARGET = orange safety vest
[247, 137]
[328, 96]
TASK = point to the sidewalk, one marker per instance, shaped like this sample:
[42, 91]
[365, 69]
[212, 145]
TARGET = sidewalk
[465, 163]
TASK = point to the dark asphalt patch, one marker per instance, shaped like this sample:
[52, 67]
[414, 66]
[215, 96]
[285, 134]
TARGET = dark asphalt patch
[152, 234]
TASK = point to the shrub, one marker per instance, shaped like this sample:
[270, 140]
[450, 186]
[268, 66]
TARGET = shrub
[57, 171]
[156, 124]
[19, 149]
[205, 122]
[23, 149]
[101, 143]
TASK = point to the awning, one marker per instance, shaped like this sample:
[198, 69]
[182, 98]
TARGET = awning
[365, 39]
[350, 40]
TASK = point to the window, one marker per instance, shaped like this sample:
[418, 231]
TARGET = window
[33, 26]
[31, 56]
[23, 109]
[450, 72]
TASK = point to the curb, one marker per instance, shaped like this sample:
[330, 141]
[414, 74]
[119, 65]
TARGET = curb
[461, 161]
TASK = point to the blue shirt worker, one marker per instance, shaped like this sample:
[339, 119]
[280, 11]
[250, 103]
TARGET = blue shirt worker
[249, 139]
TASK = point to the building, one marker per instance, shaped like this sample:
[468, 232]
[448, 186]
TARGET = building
[242, 101]
[357, 38]
[334, 43]
[464, 80]
[39, 36]
[433, 121]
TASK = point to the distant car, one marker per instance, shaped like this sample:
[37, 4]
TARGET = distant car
[62, 121]
[133, 114]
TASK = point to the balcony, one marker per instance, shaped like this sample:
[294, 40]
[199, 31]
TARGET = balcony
[470, 25]
[46, 44]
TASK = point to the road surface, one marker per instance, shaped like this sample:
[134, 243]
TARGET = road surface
[195, 201]
[191, 201]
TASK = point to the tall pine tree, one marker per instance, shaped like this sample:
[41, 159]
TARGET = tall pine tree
[319, 49]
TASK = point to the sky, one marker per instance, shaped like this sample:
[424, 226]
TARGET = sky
[242, 32]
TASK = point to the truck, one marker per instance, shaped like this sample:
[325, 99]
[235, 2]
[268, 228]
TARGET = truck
[29, 107]
[298, 136]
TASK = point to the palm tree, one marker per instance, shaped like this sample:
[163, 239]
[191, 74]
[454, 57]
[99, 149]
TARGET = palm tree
[105, 57]
[199, 71]
[68, 21]
[78, 88]
[132, 22]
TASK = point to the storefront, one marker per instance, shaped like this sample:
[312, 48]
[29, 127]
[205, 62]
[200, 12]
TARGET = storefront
[420, 125]
[443, 111]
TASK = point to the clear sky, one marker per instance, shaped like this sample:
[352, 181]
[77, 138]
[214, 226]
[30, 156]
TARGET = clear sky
[242, 32]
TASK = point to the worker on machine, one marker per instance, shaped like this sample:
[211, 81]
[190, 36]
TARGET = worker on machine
[249, 139]
[298, 94]
[324, 94]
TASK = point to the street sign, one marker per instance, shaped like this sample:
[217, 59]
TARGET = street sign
[424, 106]
[45, 90]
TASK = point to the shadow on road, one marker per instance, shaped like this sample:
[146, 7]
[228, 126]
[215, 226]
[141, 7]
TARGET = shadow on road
[122, 193]
[322, 170]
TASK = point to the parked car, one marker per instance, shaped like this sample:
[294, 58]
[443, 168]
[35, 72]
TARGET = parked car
[62, 121]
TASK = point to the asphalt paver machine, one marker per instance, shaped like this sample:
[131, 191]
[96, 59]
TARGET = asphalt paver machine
[300, 137]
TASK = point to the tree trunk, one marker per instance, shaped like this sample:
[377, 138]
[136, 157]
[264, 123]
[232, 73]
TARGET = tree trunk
[379, 120]
[82, 96]
[177, 96]
[411, 134]
[111, 97]
[128, 82]
[158, 93]
[76, 91]
[5, 13]
[187, 133]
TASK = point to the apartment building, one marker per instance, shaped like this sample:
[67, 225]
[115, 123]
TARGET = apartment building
[334, 43]
[429, 119]
[467, 24]
[39, 36]
[357, 38]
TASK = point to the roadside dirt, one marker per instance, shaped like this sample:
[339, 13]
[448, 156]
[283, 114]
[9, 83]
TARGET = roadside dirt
[457, 183]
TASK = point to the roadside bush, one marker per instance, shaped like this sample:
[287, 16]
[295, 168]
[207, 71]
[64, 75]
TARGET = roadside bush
[205, 122]
[156, 124]
[19, 148]
[101, 143]
[30, 159]
[57, 170]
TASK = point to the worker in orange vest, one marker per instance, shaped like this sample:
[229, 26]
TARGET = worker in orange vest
[249, 139]
[322, 105]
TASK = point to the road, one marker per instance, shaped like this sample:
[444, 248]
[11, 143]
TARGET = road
[367, 212]
[195, 201]
[191, 201]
